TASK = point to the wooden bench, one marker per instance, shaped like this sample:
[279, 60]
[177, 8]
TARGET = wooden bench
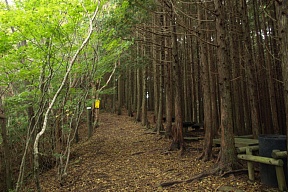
[275, 160]
[239, 142]
[193, 125]
[188, 139]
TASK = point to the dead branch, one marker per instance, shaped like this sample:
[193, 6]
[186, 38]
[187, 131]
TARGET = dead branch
[137, 153]
[149, 132]
[170, 183]
[199, 176]
[234, 171]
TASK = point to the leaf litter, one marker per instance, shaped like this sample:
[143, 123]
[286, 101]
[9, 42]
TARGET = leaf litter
[120, 156]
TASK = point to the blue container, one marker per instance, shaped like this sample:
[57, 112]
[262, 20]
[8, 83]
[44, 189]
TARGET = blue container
[268, 143]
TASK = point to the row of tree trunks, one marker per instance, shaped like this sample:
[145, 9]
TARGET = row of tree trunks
[282, 15]
[225, 83]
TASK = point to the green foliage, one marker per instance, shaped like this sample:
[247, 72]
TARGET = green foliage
[109, 91]
[57, 155]
[89, 102]
[4, 42]
[38, 39]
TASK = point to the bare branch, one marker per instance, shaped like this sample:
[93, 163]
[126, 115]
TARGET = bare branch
[71, 63]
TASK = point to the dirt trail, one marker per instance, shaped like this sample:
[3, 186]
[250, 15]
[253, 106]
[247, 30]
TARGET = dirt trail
[122, 157]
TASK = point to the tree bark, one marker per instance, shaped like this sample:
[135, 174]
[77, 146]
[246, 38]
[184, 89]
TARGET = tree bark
[252, 77]
[282, 15]
[119, 94]
[6, 154]
[205, 86]
[155, 71]
[130, 91]
[228, 159]
[138, 85]
[177, 76]
[263, 99]
[169, 100]
[144, 120]
[159, 125]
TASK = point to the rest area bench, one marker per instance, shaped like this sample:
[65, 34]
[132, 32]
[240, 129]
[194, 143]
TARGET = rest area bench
[274, 160]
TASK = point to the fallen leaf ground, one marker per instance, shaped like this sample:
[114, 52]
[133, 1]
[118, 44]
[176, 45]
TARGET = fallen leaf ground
[121, 156]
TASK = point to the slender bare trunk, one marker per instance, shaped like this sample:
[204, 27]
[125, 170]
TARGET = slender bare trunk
[45, 121]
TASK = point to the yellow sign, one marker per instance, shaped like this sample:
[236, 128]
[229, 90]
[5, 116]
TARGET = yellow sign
[97, 104]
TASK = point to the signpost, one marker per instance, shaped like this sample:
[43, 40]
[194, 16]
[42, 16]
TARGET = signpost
[89, 121]
[97, 104]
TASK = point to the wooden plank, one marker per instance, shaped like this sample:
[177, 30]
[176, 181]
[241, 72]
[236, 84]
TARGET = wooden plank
[259, 159]
[279, 154]
[238, 145]
[245, 136]
[239, 142]
[246, 141]
[243, 149]
[192, 138]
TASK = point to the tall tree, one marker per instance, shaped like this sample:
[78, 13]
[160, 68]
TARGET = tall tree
[139, 92]
[282, 15]
[162, 56]
[205, 85]
[251, 74]
[144, 118]
[177, 77]
[228, 158]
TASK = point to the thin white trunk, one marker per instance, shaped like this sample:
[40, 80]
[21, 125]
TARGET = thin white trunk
[71, 63]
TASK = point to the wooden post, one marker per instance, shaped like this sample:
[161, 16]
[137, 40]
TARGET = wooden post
[250, 165]
[281, 178]
[89, 121]
[277, 154]
[278, 163]
[243, 149]
[259, 159]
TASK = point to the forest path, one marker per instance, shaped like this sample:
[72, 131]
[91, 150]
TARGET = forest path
[122, 157]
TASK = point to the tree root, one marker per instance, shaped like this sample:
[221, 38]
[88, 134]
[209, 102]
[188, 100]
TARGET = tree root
[137, 153]
[170, 183]
[215, 171]
[204, 156]
[199, 176]
[234, 171]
